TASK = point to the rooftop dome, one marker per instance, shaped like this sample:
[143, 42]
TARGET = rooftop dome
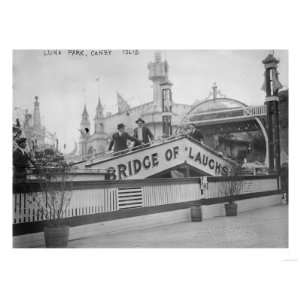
[209, 105]
[214, 102]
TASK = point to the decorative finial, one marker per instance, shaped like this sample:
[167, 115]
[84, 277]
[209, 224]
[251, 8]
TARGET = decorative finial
[98, 86]
[215, 90]
[214, 93]
[157, 56]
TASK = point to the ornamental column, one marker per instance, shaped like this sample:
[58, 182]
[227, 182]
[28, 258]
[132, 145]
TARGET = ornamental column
[271, 87]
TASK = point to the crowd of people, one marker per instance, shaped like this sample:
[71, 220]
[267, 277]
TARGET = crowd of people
[26, 160]
[142, 137]
[29, 159]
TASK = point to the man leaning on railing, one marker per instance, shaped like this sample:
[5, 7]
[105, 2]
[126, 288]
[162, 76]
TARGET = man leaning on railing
[119, 141]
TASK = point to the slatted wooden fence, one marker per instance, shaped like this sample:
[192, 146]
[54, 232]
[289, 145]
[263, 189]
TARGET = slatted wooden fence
[89, 198]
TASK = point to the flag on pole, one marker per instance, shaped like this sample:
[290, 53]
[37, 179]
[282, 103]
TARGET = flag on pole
[123, 106]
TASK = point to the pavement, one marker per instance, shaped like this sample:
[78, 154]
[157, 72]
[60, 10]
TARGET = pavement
[261, 228]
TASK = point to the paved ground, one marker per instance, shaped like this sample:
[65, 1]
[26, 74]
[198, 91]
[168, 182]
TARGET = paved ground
[262, 228]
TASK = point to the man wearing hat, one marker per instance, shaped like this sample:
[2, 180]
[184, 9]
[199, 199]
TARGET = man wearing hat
[21, 160]
[142, 133]
[119, 139]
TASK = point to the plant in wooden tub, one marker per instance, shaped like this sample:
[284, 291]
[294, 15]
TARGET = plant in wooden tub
[52, 174]
[231, 187]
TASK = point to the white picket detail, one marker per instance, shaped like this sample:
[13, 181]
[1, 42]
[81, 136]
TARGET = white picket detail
[155, 195]
[106, 199]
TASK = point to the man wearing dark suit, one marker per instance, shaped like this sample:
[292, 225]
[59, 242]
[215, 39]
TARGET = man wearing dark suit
[21, 160]
[142, 134]
[195, 133]
[120, 139]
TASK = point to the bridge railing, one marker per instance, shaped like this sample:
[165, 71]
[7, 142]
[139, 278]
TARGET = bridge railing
[108, 154]
[96, 198]
[260, 110]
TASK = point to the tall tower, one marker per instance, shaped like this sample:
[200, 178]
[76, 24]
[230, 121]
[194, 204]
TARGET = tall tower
[85, 121]
[36, 113]
[158, 73]
[99, 126]
[98, 140]
[271, 87]
[37, 132]
[166, 107]
[85, 127]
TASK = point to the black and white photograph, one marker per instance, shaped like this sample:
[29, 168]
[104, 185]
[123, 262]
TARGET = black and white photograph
[137, 148]
[149, 150]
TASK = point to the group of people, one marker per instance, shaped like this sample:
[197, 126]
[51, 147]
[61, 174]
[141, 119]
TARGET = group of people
[142, 137]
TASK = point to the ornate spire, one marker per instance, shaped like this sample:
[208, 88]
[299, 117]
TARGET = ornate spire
[99, 109]
[270, 58]
[99, 127]
[157, 56]
[215, 93]
[85, 114]
[215, 90]
[271, 83]
[85, 121]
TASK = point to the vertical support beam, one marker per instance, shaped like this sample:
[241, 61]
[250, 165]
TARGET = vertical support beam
[270, 135]
[271, 87]
[166, 109]
[276, 136]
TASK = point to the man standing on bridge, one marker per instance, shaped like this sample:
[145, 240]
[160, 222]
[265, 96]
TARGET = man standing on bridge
[119, 140]
[142, 134]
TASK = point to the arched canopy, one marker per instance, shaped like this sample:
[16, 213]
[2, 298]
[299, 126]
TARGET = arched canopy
[210, 105]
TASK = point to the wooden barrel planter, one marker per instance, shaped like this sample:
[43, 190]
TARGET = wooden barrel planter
[231, 209]
[196, 213]
[56, 236]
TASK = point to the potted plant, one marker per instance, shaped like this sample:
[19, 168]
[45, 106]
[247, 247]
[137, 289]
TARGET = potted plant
[51, 202]
[230, 188]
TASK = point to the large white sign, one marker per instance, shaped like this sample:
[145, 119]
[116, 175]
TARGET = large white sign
[155, 159]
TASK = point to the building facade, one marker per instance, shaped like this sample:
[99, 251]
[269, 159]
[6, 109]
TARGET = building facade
[229, 125]
[153, 112]
[32, 128]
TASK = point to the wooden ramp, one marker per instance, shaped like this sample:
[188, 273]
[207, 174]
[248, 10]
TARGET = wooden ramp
[163, 156]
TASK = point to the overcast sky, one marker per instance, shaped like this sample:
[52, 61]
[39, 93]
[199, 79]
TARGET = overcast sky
[65, 82]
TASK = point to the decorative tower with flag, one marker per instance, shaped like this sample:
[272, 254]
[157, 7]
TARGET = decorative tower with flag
[271, 86]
